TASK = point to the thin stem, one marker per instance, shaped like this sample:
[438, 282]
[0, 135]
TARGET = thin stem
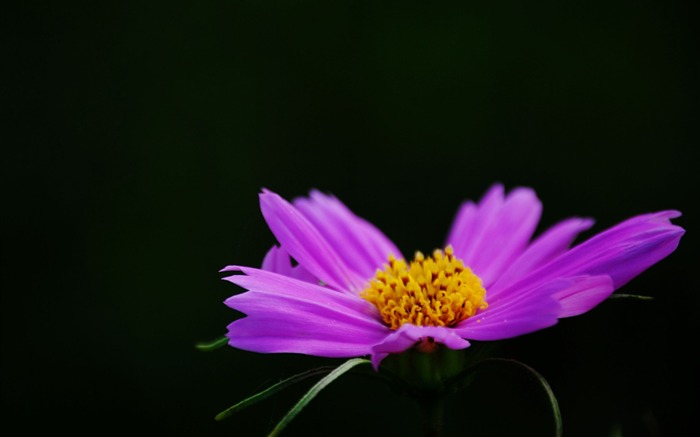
[271, 391]
[433, 411]
[315, 390]
[212, 345]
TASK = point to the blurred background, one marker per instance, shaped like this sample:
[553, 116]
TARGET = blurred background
[138, 135]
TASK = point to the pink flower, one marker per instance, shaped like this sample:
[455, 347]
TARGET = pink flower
[353, 294]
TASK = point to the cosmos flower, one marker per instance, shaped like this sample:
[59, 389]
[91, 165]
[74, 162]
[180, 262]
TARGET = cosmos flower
[351, 293]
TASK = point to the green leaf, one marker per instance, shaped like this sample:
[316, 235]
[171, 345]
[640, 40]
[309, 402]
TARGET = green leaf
[315, 390]
[212, 345]
[629, 296]
[252, 400]
[556, 413]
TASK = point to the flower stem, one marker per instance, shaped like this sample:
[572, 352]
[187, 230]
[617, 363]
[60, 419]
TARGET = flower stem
[433, 412]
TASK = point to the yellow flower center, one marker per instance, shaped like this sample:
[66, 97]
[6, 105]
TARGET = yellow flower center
[434, 291]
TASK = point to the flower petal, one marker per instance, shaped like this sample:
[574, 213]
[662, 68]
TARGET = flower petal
[307, 245]
[521, 313]
[277, 260]
[408, 335]
[621, 252]
[364, 247]
[285, 315]
[490, 236]
[553, 242]
[584, 293]
[470, 219]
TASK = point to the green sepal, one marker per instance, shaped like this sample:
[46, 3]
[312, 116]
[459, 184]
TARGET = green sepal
[212, 345]
[415, 373]
[442, 371]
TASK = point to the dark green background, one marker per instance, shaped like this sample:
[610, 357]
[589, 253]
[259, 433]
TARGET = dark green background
[138, 135]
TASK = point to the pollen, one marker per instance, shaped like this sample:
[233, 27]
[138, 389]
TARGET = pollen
[434, 291]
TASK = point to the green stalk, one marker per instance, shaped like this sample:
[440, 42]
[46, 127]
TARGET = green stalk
[433, 415]
[315, 390]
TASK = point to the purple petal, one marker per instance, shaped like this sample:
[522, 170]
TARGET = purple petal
[584, 293]
[257, 280]
[277, 260]
[552, 243]
[364, 247]
[408, 335]
[489, 237]
[463, 227]
[285, 315]
[307, 245]
[522, 313]
[471, 219]
[621, 252]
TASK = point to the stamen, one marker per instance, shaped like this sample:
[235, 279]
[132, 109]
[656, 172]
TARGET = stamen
[434, 291]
